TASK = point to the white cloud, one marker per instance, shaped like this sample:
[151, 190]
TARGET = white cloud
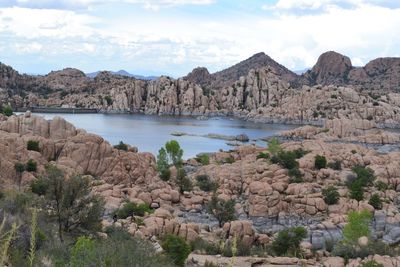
[73, 4]
[164, 42]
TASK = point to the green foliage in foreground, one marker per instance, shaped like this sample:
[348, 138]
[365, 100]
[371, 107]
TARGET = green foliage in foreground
[176, 248]
[288, 241]
[357, 226]
[131, 209]
[119, 249]
[7, 110]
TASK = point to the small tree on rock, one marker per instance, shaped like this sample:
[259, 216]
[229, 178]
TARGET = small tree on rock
[223, 210]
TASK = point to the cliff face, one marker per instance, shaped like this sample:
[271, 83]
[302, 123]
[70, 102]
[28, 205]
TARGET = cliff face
[260, 93]
[381, 74]
[230, 75]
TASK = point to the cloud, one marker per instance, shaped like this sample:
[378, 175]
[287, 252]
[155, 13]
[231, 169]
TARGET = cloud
[84, 4]
[174, 42]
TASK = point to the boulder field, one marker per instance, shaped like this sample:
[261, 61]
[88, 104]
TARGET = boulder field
[266, 199]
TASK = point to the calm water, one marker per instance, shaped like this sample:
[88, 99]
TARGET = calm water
[149, 133]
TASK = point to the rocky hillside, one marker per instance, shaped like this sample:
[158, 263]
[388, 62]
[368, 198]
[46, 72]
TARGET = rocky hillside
[230, 75]
[268, 194]
[381, 74]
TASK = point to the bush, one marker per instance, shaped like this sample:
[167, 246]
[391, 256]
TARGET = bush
[7, 110]
[223, 210]
[288, 241]
[39, 186]
[319, 162]
[357, 226]
[371, 263]
[375, 201]
[165, 174]
[176, 248]
[204, 159]
[286, 159]
[205, 184]
[131, 209]
[33, 145]
[336, 165]
[274, 146]
[263, 155]
[121, 146]
[331, 195]
[202, 246]
[118, 249]
[31, 165]
[365, 175]
[108, 100]
[296, 176]
[353, 251]
[356, 190]
[184, 183]
[174, 152]
[19, 167]
[381, 186]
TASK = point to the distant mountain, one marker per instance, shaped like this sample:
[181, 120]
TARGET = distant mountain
[230, 75]
[301, 72]
[124, 73]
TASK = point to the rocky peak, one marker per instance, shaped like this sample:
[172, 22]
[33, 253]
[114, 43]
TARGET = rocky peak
[200, 76]
[331, 68]
[8, 76]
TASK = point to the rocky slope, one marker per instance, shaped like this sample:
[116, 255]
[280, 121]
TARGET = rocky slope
[266, 198]
[381, 74]
[230, 75]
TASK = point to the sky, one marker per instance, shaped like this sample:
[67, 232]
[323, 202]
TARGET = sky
[153, 37]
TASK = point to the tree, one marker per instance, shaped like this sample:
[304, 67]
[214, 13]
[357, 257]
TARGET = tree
[357, 226]
[184, 183]
[331, 195]
[176, 248]
[375, 201]
[365, 175]
[289, 240]
[31, 165]
[19, 169]
[174, 152]
[222, 210]
[204, 183]
[121, 146]
[33, 145]
[320, 162]
[274, 146]
[72, 201]
[7, 110]
[163, 164]
[356, 190]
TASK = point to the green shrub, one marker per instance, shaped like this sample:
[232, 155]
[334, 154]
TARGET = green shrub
[263, 155]
[336, 165]
[229, 160]
[131, 209]
[375, 201]
[331, 195]
[274, 146]
[354, 151]
[353, 251]
[357, 226]
[184, 183]
[108, 100]
[165, 174]
[365, 175]
[121, 146]
[286, 159]
[7, 110]
[295, 176]
[356, 190]
[19, 167]
[39, 186]
[381, 186]
[371, 263]
[222, 210]
[31, 165]
[202, 246]
[176, 248]
[33, 145]
[203, 159]
[204, 183]
[288, 241]
[319, 162]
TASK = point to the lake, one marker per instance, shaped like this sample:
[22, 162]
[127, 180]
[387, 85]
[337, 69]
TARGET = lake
[149, 133]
